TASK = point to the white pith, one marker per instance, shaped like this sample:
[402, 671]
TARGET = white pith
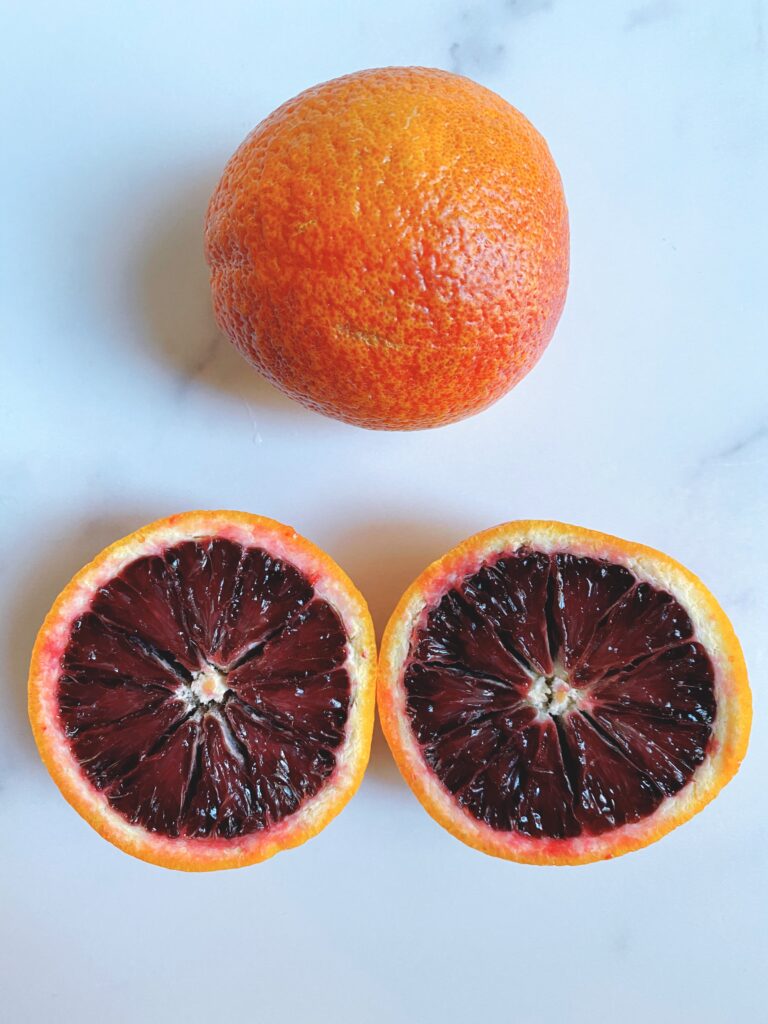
[208, 685]
[553, 695]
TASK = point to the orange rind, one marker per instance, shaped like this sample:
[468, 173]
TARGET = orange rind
[391, 248]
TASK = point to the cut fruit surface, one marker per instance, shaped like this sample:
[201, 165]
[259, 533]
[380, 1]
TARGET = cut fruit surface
[556, 695]
[202, 692]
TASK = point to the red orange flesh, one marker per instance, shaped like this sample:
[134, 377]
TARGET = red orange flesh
[244, 729]
[590, 738]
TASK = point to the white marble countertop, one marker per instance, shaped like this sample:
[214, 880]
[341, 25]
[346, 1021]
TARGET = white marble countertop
[646, 418]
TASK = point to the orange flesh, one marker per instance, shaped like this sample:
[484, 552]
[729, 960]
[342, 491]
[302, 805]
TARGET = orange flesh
[604, 731]
[202, 691]
[555, 695]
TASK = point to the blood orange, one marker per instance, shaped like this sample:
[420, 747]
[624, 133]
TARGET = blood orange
[202, 692]
[559, 696]
[391, 247]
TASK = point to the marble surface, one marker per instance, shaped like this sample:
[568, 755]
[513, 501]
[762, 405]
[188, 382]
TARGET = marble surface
[647, 418]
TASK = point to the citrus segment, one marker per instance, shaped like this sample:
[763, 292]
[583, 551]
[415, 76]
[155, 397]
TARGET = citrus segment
[205, 699]
[555, 695]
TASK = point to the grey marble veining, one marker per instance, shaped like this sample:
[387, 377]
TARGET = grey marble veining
[646, 418]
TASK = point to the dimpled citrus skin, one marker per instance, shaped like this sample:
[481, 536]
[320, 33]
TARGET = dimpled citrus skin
[391, 248]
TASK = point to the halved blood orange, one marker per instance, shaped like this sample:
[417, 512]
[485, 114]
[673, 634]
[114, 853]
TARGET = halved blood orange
[202, 692]
[558, 696]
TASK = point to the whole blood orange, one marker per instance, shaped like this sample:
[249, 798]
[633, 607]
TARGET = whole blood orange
[202, 692]
[391, 247]
[559, 696]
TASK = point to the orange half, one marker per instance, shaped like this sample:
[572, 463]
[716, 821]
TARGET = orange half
[553, 695]
[202, 692]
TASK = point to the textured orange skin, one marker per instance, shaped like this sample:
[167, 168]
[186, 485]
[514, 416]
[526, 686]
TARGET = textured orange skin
[66, 772]
[391, 247]
[465, 558]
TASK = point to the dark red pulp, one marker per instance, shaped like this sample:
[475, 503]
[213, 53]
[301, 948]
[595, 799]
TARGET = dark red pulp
[557, 696]
[182, 758]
